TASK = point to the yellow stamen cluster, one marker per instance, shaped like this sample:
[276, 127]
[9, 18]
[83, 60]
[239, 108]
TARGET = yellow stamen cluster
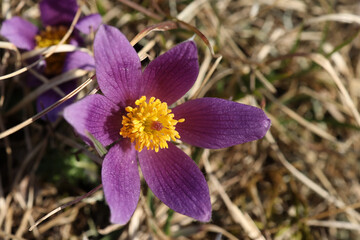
[52, 35]
[150, 124]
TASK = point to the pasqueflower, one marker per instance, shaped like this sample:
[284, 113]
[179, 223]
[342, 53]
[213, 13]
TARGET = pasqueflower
[133, 116]
[56, 17]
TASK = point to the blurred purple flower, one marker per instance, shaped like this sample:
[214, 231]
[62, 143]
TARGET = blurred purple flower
[56, 18]
[133, 113]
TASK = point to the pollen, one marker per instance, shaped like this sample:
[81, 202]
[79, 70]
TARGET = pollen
[150, 124]
[52, 35]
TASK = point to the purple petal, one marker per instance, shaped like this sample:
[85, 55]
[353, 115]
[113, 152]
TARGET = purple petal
[218, 123]
[76, 40]
[50, 97]
[78, 60]
[118, 67]
[47, 99]
[20, 32]
[54, 12]
[89, 23]
[177, 181]
[121, 182]
[172, 74]
[97, 115]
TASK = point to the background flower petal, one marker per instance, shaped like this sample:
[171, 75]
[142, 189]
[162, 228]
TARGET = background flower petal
[54, 12]
[89, 23]
[118, 67]
[121, 182]
[50, 97]
[78, 60]
[98, 115]
[218, 123]
[172, 74]
[177, 181]
[20, 32]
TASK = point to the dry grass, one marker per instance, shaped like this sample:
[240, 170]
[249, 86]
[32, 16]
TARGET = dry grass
[297, 59]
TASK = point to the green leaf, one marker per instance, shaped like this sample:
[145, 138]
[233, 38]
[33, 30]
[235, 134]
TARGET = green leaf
[98, 146]
[167, 226]
[100, 7]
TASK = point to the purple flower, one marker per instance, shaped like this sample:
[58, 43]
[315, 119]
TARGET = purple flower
[133, 114]
[56, 18]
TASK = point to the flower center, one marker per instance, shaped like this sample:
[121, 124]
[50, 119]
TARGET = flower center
[52, 35]
[150, 124]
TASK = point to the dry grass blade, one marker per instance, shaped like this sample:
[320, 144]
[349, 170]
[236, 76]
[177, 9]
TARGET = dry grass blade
[62, 219]
[109, 229]
[334, 224]
[56, 81]
[264, 81]
[8, 45]
[312, 127]
[200, 34]
[339, 17]
[23, 225]
[198, 88]
[323, 62]
[163, 26]
[45, 111]
[333, 212]
[34, 153]
[45, 81]
[5, 235]
[53, 49]
[141, 9]
[217, 229]
[245, 221]
[3, 204]
[191, 10]
[65, 206]
[170, 25]
[306, 181]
